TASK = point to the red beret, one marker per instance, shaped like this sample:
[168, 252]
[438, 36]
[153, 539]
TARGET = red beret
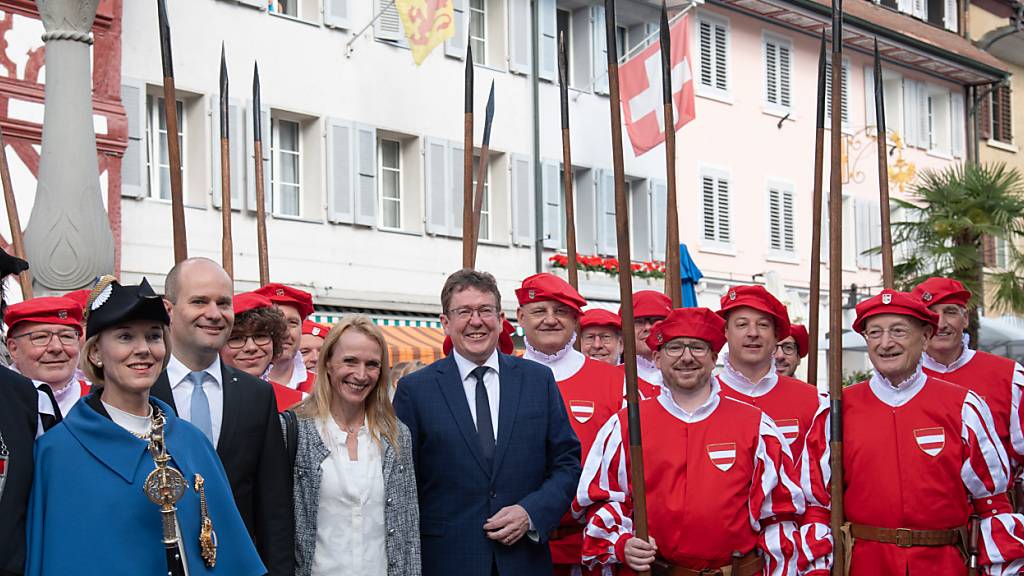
[505, 343]
[45, 310]
[80, 296]
[600, 317]
[546, 287]
[758, 298]
[650, 304]
[315, 329]
[799, 333]
[247, 301]
[689, 323]
[288, 296]
[938, 290]
[893, 302]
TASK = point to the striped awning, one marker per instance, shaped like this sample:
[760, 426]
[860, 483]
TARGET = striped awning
[407, 343]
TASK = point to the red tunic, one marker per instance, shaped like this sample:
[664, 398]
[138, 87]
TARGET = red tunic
[791, 403]
[306, 386]
[286, 397]
[644, 388]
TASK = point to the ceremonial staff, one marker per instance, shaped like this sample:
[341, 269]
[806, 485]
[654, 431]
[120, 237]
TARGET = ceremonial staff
[478, 194]
[227, 252]
[888, 278]
[173, 149]
[835, 280]
[636, 456]
[261, 209]
[25, 278]
[570, 207]
[673, 284]
[819, 161]
[468, 230]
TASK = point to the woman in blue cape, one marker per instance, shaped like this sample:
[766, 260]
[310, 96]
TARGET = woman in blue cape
[126, 454]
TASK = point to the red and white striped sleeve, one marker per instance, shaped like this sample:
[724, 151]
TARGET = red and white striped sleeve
[985, 473]
[775, 500]
[603, 500]
[815, 541]
[1017, 417]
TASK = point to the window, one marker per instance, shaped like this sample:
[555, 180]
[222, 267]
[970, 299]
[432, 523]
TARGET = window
[478, 29]
[285, 167]
[938, 121]
[157, 159]
[621, 45]
[714, 56]
[390, 184]
[715, 217]
[845, 94]
[994, 252]
[781, 220]
[564, 25]
[286, 7]
[996, 115]
[485, 206]
[777, 66]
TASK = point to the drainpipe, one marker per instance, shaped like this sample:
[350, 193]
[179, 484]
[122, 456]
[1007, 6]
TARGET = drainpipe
[538, 192]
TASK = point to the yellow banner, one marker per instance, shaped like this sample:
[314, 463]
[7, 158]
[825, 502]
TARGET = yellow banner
[427, 23]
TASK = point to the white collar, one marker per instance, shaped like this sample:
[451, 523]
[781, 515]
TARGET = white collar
[299, 374]
[896, 395]
[643, 364]
[57, 392]
[702, 412]
[563, 364]
[538, 356]
[130, 422]
[966, 355]
[178, 372]
[467, 366]
[740, 383]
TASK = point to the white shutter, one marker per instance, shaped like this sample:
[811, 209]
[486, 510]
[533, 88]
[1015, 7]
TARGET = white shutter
[435, 168]
[785, 75]
[708, 220]
[586, 239]
[582, 60]
[862, 225]
[788, 222]
[548, 39]
[911, 112]
[828, 89]
[250, 153]
[659, 217]
[522, 200]
[875, 233]
[338, 13]
[957, 121]
[598, 49]
[388, 26]
[134, 177]
[721, 42]
[456, 187]
[707, 73]
[365, 186]
[846, 93]
[606, 212]
[554, 215]
[640, 218]
[774, 219]
[722, 201]
[236, 153]
[869, 95]
[920, 8]
[340, 197]
[771, 71]
[923, 131]
[456, 45]
[950, 17]
[519, 37]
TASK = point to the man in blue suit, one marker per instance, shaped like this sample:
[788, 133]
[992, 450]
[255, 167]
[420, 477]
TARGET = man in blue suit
[497, 463]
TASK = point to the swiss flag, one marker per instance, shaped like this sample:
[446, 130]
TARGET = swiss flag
[641, 92]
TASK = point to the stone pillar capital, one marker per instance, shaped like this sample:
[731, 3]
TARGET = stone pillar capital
[68, 19]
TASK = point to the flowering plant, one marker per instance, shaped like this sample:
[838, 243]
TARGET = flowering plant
[610, 266]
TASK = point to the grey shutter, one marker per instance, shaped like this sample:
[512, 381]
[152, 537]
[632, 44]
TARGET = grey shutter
[519, 37]
[598, 49]
[659, 217]
[554, 216]
[365, 185]
[456, 45]
[338, 13]
[583, 180]
[435, 166]
[582, 68]
[957, 121]
[388, 26]
[640, 218]
[522, 200]
[455, 186]
[250, 153]
[548, 41]
[134, 178]
[606, 212]
[236, 154]
[722, 201]
[862, 225]
[340, 196]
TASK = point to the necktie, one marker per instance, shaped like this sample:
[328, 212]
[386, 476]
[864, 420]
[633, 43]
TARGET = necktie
[484, 426]
[200, 405]
[50, 420]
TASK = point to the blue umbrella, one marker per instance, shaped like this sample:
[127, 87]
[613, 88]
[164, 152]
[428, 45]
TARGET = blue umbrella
[689, 275]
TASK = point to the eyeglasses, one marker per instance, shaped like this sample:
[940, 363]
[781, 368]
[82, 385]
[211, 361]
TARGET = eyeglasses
[788, 348]
[464, 313]
[697, 349]
[42, 338]
[238, 342]
[896, 333]
[605, 337]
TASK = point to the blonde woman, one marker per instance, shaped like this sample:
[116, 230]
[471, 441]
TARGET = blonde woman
[356, 511]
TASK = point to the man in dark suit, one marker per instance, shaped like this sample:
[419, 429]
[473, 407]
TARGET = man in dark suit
[497, 463]
[236, 411]
[18, 425]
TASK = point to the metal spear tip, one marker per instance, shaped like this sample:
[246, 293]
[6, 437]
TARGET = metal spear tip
[468, 79]
[165, 39]
[223, 70]
[489, 116]
[258, 133]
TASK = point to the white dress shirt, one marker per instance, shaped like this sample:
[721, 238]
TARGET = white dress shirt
[181, 389]
[350, 532]
[299, 372]
[491, 383]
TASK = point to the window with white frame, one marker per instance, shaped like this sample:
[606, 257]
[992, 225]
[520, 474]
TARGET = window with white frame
[845, 94]
[716, 225]
[713, 35]
[478, 29]
[938, 121]
[485, 206]
[778, 53]
[157, 158]
[781, 219]
[285, 167]
[390, 179]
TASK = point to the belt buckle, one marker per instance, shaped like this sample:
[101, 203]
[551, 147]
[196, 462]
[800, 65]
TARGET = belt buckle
[904, 537]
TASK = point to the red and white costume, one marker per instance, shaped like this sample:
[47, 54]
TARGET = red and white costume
[302, 379]
[791, 403]
[718, 480]
[923, 455]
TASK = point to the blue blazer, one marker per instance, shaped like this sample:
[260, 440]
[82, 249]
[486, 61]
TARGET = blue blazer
[536, 465]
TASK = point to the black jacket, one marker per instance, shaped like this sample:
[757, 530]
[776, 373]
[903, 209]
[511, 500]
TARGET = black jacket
[18, 419]
[251, 448]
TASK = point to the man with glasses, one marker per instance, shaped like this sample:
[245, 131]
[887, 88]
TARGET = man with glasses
[920, 456]
[601, 336]
[592, 391]
[790, 350]
[649, 308]
[288, 367]
[721, 489]
[44, 339]
[496, 459]
[755, 321]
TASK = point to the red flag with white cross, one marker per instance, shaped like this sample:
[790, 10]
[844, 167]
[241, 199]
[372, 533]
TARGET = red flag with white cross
[640, 84]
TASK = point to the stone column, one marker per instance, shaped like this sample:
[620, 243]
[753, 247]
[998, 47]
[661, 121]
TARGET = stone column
[68, 241]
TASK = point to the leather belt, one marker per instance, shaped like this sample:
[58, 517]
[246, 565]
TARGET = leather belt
[905, 537]
[565, 531]
[750, 564]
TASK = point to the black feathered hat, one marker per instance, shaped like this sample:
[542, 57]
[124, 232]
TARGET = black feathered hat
[111, 303]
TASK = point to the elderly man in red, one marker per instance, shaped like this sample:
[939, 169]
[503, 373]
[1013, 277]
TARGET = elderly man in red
[920, 456]
[296, 305]
[790, 350]
[549, 309]
[720, 481]
[44, 339]
[601, 336]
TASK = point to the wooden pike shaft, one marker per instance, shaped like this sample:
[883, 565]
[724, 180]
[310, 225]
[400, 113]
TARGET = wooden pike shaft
[173, 147]
[636, 456]
[673, 284]
[469, 232]
[570, 206]
[813, 320]
[888, 276]
[261, 208]
[17, 241]
[226, 246]
[478, 202]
